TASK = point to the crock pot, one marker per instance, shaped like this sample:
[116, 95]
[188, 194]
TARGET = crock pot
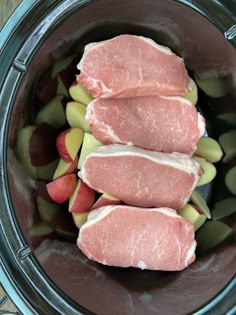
[52, 276]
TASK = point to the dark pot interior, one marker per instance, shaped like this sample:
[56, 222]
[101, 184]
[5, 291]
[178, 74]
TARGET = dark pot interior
[100, 289]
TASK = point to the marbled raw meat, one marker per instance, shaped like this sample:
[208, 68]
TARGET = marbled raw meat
[129, 65]
[124, 236]
[141, 177]
[166, 124]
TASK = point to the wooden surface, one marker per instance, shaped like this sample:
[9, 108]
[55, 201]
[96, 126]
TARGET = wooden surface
[6, 8]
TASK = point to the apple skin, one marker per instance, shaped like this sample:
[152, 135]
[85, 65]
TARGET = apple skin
[42, 145]
[46, 88]
[82, 198]
[62, 188]
[105, 200]
[43, 172]
[65, 168]
[68, 143]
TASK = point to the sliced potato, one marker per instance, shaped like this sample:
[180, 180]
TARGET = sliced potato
[209, 149]
[224, 208]
[211, 234]
[200, 202]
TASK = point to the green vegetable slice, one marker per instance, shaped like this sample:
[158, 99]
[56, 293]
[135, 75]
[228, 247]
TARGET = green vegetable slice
[211, 234]
[224, 208]
[200, 202]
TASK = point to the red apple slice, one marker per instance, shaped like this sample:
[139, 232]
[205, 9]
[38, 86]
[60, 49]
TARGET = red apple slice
[228, 144]
[200, 202]
[42, 145]
[209, 149]
[44, 172]
[53, 113]
[224, 208]
[211, 234]
[105, 200]
[65, 168]
[82, 198]
[192, 95]
[46, 88]
[215, 87]
[90, 143]
[209, 171]
[79, 218]
[62, 188]
[75, 114]
[79, 93]
[68, 143]
[193, 215]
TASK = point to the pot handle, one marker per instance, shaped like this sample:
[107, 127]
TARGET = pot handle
[8, 29]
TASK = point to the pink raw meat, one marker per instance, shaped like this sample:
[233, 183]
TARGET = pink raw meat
[141, 177]
[129, 65]
[124, 236]
[166, 124]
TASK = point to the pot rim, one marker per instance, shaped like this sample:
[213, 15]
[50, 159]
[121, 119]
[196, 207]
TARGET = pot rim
[13, 241]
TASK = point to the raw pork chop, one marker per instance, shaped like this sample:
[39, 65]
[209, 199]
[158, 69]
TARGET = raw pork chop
[130, 65]
[167, 124]
[140, 177]
[124, 236]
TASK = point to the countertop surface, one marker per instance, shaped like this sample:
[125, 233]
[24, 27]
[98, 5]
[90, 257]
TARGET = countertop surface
[6, 8]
